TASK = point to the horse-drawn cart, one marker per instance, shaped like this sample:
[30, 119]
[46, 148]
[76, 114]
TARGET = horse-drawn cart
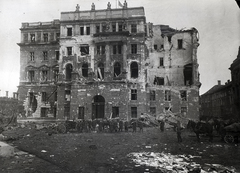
[232, 132]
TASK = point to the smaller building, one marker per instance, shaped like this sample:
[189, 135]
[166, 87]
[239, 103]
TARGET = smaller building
[218, 102]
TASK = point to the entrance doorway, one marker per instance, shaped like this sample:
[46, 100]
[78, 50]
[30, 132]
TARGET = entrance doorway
[98, 107]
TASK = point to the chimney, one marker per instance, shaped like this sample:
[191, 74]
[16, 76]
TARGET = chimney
[219, 82]
[6, 93]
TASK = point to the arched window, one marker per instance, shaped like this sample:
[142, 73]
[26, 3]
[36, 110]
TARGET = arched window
[69, 72]
[100, 71]
[117, 69]
[134, 70]
[85, 70]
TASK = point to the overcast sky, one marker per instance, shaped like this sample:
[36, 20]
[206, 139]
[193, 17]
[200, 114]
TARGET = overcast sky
[218, 23]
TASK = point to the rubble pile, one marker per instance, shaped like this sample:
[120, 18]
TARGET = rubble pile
[167, 163]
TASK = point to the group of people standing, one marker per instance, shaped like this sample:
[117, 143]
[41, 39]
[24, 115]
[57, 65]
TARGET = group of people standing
[108, 125]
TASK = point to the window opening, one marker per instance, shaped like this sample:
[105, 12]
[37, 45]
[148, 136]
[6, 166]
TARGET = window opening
[44, 96]
[44, 75]
[88, 30]
[114, 27]
[97, 28]
[31, 75]
[158, 81]
[57, 55]
[183, 95]
[45, 55]
[155, 47]
[133, 94]
[32, 37]
[31, 56]
[167, 95]
[120, 27]
[152, 95]
[180, 43]
[69, 72]
[133, 112]
[161, 63]
[133, 28]
[134, 48]
[81, 30]
[85, 70]
[134, 70]
[84, 49]
[115, 112]
[69, 51]
[57, 36]
[117, 69]
[81, 113]
[45, 37]
[69, 31]
[100, 71]
[56, 72]
[67, 95]
[187, 74]
[100, 50]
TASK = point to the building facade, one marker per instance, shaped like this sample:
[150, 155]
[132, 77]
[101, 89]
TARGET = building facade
[111, 63]
[235, 74]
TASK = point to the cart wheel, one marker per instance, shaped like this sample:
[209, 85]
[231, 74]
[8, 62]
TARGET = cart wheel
[229, 139]
[62, 128]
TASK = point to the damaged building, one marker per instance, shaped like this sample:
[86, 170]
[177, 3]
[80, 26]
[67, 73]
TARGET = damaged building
[107, 63]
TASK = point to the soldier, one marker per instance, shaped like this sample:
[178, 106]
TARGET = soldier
[162, 123]
[120, 125]
[126, 126]
[140, 125]
[134, 125]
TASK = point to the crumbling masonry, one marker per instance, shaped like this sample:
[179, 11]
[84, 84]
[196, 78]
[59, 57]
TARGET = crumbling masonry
[107, 63]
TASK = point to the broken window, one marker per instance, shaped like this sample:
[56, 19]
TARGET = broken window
[45, 55]
[117, 69]
[155, 47]
[158, 81]
[161, 62]
[32, 36]
[134, 70]
[167, 95]
[57, 55]
[45, 37]
[115, 112]
[44, 96]
[84, 49]
[100, 71]
[117, 49]
[114, 27]
[55, 72]
[187, 74]
[152, 95]
[44, 75]
[85, 70]
[81, 30]
[32, 102]
[31, 75]
[183, 95]
[97, 28]
[133, 94]
[31, 56]
[88, 30]
[133, 28]
[69, 72]
[133, 112]
[69, 51]
[169, 38]
[69, 31]
[168, 109]
[67, 95]
[153, 111]
[180, 43]
[101, 50]
[81, 113]
[134, 48]
[162, 46]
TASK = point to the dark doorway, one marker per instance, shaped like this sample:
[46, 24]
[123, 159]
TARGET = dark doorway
[81, 113]
[32, 102]
[188, 74]
[69, 72]
[98, 107]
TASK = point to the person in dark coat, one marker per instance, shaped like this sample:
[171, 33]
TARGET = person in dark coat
[162, 123]
[120, 126]
[140, 125]
[126, 126]
[134, 125]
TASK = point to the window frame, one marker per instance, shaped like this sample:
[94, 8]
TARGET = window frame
[45, 55]
[133, 28]
[133, 94]
[69, 31]
[134, 70]
[134, 49]
[152, 95]
[32, 58]
[180, 43]
[69, 51]
[45, 37]
[167, 95]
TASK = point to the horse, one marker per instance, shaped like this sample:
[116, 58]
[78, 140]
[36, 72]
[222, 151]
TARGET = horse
[201, 128]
